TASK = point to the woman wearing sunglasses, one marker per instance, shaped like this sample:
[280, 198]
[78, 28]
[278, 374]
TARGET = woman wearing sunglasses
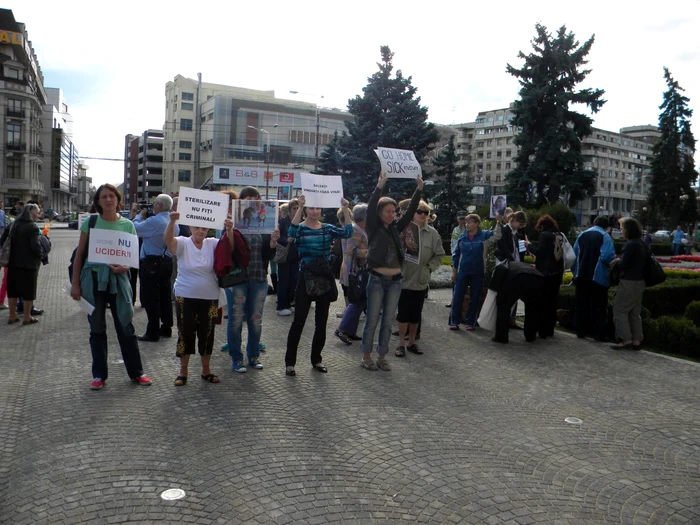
[416, 277]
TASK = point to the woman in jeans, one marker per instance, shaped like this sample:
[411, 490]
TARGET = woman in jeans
[628, 300]
[246, 300]
[384, 260]
[549, 261]
[312, 239]
[107, 284]
[354, 254]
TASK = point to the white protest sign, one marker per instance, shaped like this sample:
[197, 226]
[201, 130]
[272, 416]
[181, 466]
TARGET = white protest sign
[82, 217]
[113, 247]
[206, 209]
[322, 191]
[399, 163]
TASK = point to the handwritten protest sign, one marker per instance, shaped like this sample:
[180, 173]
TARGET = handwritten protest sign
[399, 163]
[322, 191]
[255, 216]
[206, 209]
[113, 247]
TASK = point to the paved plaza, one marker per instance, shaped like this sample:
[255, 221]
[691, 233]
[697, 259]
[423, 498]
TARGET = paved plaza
[469, 432]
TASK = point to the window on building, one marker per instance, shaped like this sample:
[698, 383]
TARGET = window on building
[186, 124]
[508, 140]
[507, 165]
[488, 154]
[499, 142]
[187, 105]
[480, 121]
[499, 117]
[187, 96]
[11, 72]
[480, 155]
[209, 97]
[498, 178]
[488, 166]
[507, 153]
[185, 144]
[498, 166]
[185, 156]
[488, 178]
[14, 134]
[480, 144]
[489, 143]
[499, 154]
[14, 105]
[184, 175]
[12, 168]
[210, 116]
[480, 131]
[172, 175]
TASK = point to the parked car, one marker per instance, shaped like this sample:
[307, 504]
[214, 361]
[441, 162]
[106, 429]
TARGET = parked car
[51, 215]
[64, 217]
[661, 235]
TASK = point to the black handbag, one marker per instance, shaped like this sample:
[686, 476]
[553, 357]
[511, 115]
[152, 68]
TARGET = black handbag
[653, 272]
[318, 277]
[357, 282]
[237, 276]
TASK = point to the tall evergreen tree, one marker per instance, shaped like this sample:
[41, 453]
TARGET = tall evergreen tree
[331, 160]
[549, 161]
[450, 192]
[388, 114]
[672, 166]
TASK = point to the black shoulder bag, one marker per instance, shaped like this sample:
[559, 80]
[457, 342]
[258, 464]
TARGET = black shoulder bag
[318, 276]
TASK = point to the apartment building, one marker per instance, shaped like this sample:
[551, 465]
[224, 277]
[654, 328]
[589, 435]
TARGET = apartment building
[143, 166]
[241, 130]
[84, 186]
[22, 97]
[622, 161]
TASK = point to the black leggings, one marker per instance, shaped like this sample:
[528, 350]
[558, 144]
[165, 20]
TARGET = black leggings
[303, 304]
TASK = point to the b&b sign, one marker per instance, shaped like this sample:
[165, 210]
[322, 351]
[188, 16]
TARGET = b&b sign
[113, 247]
[399, 163]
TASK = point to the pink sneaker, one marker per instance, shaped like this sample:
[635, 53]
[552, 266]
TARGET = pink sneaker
[143, 380]
[469, 328]
[97, 384]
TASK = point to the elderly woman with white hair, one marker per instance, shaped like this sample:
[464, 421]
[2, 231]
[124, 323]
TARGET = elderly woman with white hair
[354, 255]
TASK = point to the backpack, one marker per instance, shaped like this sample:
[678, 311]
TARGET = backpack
[91, 224]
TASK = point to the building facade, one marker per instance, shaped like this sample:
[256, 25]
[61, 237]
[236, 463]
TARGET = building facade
[22, 97]
[622, 161]
[236, 127]
[84, 185]
[143, 166]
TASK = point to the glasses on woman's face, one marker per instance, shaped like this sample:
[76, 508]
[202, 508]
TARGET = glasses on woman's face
[422, 212]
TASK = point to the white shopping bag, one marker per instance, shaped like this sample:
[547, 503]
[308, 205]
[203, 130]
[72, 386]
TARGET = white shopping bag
[487, 317]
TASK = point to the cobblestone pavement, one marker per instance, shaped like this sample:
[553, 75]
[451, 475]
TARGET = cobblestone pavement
[470, 432]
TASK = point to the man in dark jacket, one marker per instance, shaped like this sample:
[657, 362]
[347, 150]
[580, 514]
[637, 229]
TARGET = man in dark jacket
[525, 283]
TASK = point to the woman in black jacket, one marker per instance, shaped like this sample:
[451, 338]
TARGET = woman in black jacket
[628, 300]
[549, 262]
[25, 261]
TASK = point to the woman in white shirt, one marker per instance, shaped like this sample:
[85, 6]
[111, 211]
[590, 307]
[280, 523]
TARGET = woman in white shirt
[196, 296]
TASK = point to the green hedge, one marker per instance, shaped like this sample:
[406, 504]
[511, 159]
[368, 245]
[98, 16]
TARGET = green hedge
[692, 312]
[673, 335]
[657, 248]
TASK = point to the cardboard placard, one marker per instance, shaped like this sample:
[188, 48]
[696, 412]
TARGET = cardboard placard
[206, 209]
[113, 247]
[399, 163]
[322, 191]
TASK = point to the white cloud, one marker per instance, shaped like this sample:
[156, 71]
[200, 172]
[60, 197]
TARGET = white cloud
[455, 51]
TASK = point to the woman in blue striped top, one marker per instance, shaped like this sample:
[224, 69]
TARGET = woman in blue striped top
[312, 239]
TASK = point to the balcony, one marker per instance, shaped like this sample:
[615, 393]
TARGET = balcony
[23, 184]
[15, 113]
[16, 146]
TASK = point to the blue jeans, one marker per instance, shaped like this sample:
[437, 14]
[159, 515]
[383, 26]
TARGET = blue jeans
[382, 295]
[245, 302]
[476, 282]
[676, 246]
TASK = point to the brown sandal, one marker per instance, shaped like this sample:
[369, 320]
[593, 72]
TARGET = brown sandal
[32, 320]
[180, 380]
[13, 321]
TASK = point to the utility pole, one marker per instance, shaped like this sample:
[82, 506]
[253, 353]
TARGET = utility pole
[318, 127]
[197, 133]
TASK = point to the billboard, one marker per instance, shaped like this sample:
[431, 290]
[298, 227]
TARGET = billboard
[256, 176]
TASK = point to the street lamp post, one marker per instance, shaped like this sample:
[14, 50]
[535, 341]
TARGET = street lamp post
[318, 121]
[267, 158]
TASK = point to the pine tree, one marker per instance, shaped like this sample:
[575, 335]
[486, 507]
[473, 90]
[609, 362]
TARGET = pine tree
[672, 166]
[549, 163]
[388, 114]
[450, 192]
[331, 160]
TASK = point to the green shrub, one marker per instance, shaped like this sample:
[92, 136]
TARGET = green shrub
[671, 334]
[692, 312]
[662, 249]
[561, 213]
[681, 274]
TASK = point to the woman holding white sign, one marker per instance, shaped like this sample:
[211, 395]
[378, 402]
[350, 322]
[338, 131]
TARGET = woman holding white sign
[313, 240]
[385, 258]
[196, 295]
[102, 284]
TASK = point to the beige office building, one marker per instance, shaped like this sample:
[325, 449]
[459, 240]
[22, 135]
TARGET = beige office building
[238, 128]
[622, 161]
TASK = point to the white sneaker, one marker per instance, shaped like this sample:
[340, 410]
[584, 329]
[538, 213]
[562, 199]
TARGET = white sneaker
[285, 312]
[3, 306]
[339, 315]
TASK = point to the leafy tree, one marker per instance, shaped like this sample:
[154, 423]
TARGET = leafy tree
[388, 114]
[672, 166]
[331, 160]
[450, 193]
[549, 161]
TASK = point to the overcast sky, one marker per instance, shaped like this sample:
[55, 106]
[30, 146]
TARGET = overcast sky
[112, 60]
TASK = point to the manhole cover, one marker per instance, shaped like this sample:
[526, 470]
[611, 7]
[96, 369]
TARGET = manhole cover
[573, 420]
[172, 494]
